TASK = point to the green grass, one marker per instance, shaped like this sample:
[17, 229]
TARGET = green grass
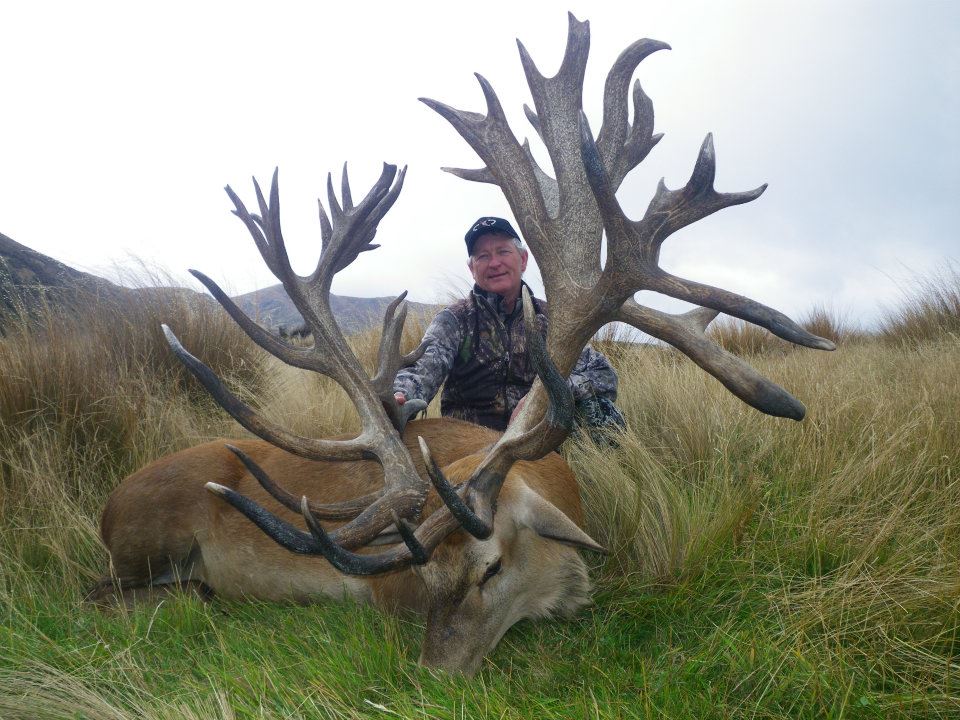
[635, 654]
[759, 568]
[708, 648]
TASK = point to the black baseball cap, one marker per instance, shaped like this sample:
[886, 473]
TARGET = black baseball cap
[486, 226]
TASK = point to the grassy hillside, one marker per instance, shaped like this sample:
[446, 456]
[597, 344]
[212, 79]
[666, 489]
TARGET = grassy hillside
[759, 567]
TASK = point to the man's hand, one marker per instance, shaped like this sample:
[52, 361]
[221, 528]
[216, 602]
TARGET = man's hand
[400, 398]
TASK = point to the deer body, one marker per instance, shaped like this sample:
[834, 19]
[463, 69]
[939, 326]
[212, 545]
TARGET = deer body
[191, 535]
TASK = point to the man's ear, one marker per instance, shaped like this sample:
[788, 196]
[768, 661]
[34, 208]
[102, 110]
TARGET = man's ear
[547, 520]
[524, 256]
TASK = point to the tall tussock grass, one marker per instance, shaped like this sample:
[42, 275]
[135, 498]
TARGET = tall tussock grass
[93, 379]
[43, 692]
[87, 398]
[851, 516]
[745, 339]
[929, 311]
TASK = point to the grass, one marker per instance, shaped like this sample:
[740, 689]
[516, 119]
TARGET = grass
[929, 311]
[758, 568]
[743, 338]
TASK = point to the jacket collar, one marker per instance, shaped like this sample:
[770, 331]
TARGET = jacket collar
[495, 300]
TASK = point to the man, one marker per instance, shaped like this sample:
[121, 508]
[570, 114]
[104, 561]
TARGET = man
[478, 345]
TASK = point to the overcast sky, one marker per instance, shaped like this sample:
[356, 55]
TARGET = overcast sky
[122, 122]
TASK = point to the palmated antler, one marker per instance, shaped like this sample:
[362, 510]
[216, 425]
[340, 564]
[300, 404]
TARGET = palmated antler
[564, 218]
[348, 232]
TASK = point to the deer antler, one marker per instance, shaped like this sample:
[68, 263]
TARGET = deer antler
[348, 234]
[464, 505]
[563, 219]
[583, 297]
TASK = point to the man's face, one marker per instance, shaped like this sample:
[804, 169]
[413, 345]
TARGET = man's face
[497, 265]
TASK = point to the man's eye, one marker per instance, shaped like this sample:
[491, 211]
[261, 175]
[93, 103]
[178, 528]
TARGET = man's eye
[491, 571]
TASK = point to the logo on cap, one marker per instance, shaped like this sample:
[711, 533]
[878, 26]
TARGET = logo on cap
[486, 222]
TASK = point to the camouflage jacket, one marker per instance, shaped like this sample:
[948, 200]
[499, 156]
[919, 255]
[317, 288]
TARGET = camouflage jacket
[481, 353]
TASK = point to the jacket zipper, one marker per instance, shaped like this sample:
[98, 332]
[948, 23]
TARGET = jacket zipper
[506, 342]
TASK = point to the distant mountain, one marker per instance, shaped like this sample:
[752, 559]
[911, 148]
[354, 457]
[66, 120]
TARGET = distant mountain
[31, 281]
[271, 308]
[27, 277]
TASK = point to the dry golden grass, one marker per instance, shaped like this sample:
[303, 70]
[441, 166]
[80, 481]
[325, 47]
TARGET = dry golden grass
[745, 339]
[42, 692]
[742, 338]
[929, 311]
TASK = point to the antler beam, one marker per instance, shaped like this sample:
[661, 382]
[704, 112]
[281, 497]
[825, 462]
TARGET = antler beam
[349, 233]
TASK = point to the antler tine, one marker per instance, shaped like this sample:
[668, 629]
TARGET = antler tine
[548, 186]
[455, 504]
[480, 175]
[297, 357]
[558, 101]
[390, 360]
[354, 229]
[475, 511]
[336, 212]
[419, 544]
[636, 245]
[314, 449]
[622, 146]
[671, 210]
[345, 190]
[492, 139]
[257, 228]
[280, 531]
[641, 139]
[532, 117]
[320, 542]
[346, 510]
[686, 333]
[738, 306]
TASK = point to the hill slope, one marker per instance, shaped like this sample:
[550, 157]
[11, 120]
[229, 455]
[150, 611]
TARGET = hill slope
[272, 308]
[29, 280]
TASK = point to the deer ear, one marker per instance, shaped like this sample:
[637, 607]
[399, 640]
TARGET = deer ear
[548, 521]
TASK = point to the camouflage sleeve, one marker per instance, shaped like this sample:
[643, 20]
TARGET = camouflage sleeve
[593, 376]
[422, 380]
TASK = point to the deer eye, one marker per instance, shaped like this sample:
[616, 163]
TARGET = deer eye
[491, 571]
